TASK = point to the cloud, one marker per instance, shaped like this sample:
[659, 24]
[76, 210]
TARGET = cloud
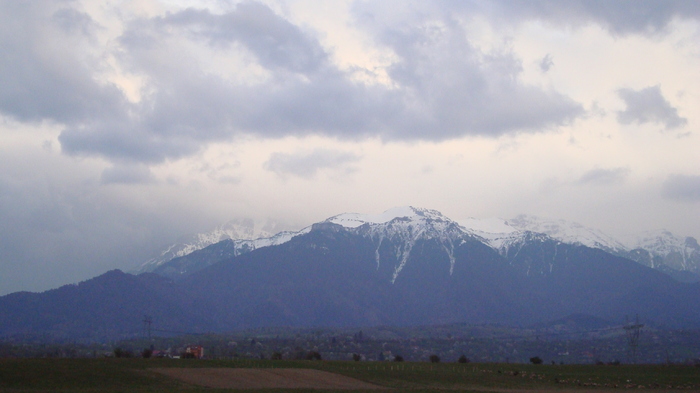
[604, 176]
[248, 71]
[619, 17]
[546, 63]
[306, 165]
[648, 106]
[209, 77]
[49, 69]
[275, 42]
[56, 227]
[682, 188]
[450, 88]
[127, 174]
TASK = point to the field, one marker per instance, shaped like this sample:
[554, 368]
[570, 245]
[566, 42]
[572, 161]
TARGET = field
[164, 375]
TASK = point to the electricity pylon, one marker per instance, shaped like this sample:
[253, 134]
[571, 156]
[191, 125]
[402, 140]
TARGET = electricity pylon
[633, 331]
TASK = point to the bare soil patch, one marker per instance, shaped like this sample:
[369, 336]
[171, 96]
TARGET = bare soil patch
[253, 378]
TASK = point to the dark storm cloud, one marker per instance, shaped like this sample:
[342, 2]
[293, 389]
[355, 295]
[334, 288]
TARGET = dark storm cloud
[682, 188]
[648, 106]
[308, 164]
[605, 176]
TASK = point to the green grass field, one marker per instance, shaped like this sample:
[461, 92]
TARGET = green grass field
[127, 375]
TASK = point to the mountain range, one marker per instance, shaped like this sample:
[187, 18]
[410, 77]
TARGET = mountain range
[676, 256]
[405, 267]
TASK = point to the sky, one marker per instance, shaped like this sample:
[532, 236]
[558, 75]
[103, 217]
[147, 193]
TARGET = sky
[125, 125]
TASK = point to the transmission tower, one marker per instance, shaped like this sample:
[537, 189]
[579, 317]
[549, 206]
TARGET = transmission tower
[147, 321]
[633, 330]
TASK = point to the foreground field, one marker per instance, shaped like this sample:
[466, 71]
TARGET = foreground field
[161, 375]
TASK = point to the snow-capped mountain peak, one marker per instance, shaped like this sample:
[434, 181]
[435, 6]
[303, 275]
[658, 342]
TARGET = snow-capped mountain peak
[400, 228]
[240, 229]
[397, 231]
[487, 225]
[664, 248]
[568, 232]
[354, 220]
[494, 231]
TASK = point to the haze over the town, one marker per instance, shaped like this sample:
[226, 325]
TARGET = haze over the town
[127, 124]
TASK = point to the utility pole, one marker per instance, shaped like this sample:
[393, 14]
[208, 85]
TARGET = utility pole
[633, 331]
[147, 321]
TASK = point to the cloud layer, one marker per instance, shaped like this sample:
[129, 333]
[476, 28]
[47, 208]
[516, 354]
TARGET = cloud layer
[441, 86]
[682, 187]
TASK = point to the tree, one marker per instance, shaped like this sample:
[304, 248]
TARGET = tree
[463, 359]
[434, 358]
[313, 355]
[398, 358]
[146, 353]
[356, 357]
[276, 356]
[121, 353]
[536, 360]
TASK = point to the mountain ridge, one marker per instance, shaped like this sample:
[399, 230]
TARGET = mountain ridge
[677, 257]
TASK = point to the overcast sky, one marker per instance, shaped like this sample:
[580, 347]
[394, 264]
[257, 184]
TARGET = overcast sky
[126, 124]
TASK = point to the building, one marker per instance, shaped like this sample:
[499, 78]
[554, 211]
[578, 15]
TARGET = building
[194, 351]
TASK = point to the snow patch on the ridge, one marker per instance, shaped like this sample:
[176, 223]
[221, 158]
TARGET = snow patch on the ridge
[487, 225]
[376, 252]
[354, 220]
[679, 253]
[280, 238]
[494, 231]
[450, 254]
[402, 228]
[403, 251]
[239, 230]
[659, 242]
[568, 232]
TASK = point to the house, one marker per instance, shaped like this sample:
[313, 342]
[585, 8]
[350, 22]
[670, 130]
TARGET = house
[194, 351]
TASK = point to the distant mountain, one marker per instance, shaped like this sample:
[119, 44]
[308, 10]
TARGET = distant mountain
[108, 307]
[678, 257]
[240, 229]
[180, 267]
[406, 267]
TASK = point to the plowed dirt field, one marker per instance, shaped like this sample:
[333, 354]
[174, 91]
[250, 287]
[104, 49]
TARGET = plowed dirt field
[248, 378]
